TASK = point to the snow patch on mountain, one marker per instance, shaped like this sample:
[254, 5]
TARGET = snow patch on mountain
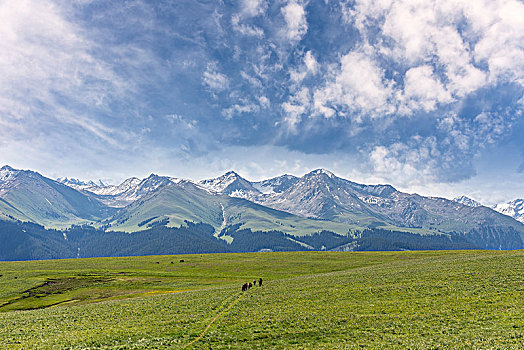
[275, 185]
[378, 201]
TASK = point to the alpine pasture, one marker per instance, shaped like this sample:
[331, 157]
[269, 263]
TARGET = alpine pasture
[309, 300]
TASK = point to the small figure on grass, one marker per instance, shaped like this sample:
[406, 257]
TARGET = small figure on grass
[249, 285]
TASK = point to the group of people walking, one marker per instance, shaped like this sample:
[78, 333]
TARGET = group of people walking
[248, 285]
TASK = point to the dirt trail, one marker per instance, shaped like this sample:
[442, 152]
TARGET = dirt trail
[213, 321]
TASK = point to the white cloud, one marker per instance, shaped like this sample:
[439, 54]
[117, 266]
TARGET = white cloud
[264, 102]
[311, 63]
[295, 108]
[238, 109]
[501, 31]
[42, 51]
[309, 66]
[246, 29]
[423, 30]
[180, 120]
[358, 85]
[410, 23]
[215, 80]
[46, 63]
[422, 90]
[294, 114]
[296, 22]
[249, 9]
[252, 8]
[438, 50]
[453, 53]
[251, 80]
[406, 164]
[460, 34]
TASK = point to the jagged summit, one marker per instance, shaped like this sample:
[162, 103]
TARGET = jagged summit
[231, 173]
[7, 168]
[80, 184]
[514, 209]
[231, 184]
[7, 173]
[467, 201]
[130, 189]
[321, 171]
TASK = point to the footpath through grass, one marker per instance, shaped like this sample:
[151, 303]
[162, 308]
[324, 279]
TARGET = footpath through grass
[313, 300]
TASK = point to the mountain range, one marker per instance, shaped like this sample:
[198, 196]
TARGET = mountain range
[229, 213]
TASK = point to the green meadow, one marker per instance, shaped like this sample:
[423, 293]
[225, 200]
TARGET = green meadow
[308, 300]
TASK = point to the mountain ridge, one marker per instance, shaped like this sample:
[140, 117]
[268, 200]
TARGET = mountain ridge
[319, 201]
[29, 196]
[514, 209]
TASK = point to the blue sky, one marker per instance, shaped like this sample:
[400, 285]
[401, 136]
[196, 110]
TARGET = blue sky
[425, 95]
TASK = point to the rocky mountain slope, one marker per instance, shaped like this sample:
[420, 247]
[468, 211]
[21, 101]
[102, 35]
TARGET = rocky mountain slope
[322, 195]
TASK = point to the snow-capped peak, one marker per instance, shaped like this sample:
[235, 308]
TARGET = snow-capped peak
[230, 183]
[7, 173]
[114, 190]
[131, 189]
[7, 168]
[79, 184]
[321, 172]
[514, 208]
[219, 184]
[467, 201]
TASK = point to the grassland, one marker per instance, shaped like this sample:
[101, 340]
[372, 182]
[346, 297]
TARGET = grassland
[313, 300]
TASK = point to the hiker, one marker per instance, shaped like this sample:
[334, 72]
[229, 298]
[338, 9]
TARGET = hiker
[260, 282]
[250, 285]
[254, 283]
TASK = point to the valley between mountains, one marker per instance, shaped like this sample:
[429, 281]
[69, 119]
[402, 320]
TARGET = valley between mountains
[42, 218]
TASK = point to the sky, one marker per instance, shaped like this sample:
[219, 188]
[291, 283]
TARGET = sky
[426, 95]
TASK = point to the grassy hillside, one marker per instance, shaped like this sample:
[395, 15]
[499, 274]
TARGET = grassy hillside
[41, 200]
[312, 300]
[176, 203]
